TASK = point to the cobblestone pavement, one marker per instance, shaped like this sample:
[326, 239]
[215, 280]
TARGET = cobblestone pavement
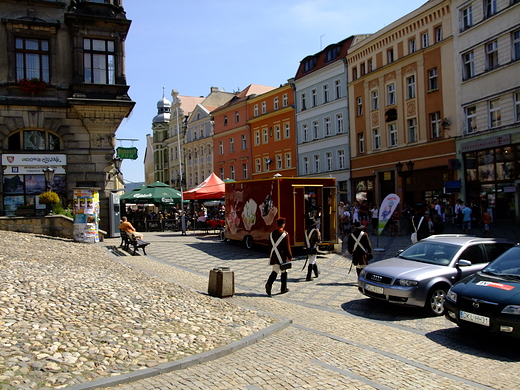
[338, 338]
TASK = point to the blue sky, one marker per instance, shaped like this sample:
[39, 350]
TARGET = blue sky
[193, 45]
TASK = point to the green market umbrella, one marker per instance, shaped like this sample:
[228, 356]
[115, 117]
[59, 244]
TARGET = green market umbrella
[156, 193]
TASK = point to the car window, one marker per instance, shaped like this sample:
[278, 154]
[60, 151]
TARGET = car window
[494, 250]
[474, 254]
[431, 252]
[507, 264]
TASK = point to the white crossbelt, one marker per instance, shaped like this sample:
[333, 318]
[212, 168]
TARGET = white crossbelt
[275, 246]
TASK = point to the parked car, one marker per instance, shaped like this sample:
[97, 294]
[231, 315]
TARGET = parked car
[489, 300]
[422, 274]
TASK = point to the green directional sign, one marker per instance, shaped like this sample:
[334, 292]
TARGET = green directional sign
[127, 153]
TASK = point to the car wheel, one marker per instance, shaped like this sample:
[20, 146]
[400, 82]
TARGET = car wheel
[248, 242]
[435, 302]
[222, 235]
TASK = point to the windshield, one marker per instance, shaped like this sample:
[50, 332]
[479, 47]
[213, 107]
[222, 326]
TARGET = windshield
[431, 252]
[507, 264]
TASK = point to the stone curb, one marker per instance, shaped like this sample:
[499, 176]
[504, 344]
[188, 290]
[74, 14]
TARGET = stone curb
[186, 362]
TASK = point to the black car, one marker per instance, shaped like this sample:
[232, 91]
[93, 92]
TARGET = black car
[490, 299]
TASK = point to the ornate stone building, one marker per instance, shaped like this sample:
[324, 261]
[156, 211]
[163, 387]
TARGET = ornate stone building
[63, 95]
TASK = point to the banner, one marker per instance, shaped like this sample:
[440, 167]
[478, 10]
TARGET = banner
[385, 211]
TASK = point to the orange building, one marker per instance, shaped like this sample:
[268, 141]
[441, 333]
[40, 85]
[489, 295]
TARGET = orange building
[272, 133]
[232, 139]
[401, 99]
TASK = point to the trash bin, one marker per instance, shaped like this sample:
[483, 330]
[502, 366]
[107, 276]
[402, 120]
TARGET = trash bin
[221, 282]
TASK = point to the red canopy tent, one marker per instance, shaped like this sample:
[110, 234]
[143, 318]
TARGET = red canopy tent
[211, 188]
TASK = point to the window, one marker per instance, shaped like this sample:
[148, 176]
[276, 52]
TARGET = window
[314, 98]
[370, 65]
[328, 127]
[466, 18]
[264, 107]
[255, 109]
[490, 8]
[424, 40]
[468, 65]
[328, 157]
[435, 125]
[231, 145]
[33, 140]
[389, 56]
[244, 171]
[32, 59]
[286, 130]
[265, 134]
[438, 34]
[494, 113]
[315, 129]
[359, 101]
[220, 148]
[317, 168]
[517, 106]
[410, 87]
[392, 133]
[375, 99]
[99, 61]
[341, 159]
[433, 79]
[257, 137]
[302, 96]
[390, 96]
[339, 123]
[276, 103]
[306, 165]
[267, 163]
[412, 129]
[258, 165]
[412, 46]
[377, 139]
[237, 117]
[288, 161]
[471, 119]
[225, 120]
[337, 88]
[516, 45]
[354, 73]
[361, 142]
[277, 133]
[221, 173]
[279, 164]
[305, 131]
[244, 142]
[363, 71]
[232, 172]
[325, 93]
[491, 55]
[285, 100]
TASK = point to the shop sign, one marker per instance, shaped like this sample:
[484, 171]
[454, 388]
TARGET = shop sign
[492, 142]
[30, 170]
[509, 189]
[127, 153]
[34, 159]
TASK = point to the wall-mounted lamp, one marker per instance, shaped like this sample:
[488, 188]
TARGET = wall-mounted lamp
[402, 173]
[49, 177]
[445, 123]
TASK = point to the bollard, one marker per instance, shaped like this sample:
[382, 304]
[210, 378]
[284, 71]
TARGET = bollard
[221, 282]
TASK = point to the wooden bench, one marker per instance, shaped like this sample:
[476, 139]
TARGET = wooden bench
[128, 240]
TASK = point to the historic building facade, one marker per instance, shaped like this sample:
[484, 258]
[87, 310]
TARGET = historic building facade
[63, 95]
[402, 108]
[487, 47]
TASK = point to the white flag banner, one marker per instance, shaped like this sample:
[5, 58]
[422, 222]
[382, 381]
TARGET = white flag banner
[385, 211]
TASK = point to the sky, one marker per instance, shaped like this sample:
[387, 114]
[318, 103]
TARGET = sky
[193, 45]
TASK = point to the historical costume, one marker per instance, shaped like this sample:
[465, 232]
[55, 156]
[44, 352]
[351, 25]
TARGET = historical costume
[312, 238]
[280, 252]
[359, 247]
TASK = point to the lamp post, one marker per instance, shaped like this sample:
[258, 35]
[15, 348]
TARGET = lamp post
[118, 162]
[49, 177]
[404, 175]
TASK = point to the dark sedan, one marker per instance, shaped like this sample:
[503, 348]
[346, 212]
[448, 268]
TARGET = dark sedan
[489, 300]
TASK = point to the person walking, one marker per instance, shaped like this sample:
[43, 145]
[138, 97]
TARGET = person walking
[467, 218]
[280, 252]
[312, 238]
[360, 247]
[486, 220]
[375, 218]
[420, 222]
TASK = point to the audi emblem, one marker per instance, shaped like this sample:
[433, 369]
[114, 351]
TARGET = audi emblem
[377, 278]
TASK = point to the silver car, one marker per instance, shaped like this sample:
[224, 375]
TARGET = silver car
[422, 274]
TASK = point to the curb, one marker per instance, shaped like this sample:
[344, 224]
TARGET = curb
[185, 362]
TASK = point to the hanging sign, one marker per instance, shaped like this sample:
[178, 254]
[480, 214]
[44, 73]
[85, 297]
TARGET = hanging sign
[127, 153]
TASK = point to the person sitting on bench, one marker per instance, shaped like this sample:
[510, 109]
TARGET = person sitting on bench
[129, 228]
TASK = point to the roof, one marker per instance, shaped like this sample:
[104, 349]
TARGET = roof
[188, 103]
[251, 89]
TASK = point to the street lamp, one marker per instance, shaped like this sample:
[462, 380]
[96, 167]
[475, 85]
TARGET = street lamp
[118, 161]
[49, 177]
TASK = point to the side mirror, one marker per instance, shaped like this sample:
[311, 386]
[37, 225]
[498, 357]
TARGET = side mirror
[464, 263]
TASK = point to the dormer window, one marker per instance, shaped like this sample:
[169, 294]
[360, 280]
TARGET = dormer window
[309, 64]
[331, 54]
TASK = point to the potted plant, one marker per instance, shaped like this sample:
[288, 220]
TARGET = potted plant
[24, 210]
[49, 198]
[33, 86]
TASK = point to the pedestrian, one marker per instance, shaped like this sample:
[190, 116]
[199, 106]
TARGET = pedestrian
[360, 247]
[312, 238]
[406, 218]
[486, 220]
[345, 223]
[421, 222]
[458, 212]
[375, 218]
[129, 228]
[467, 218]
[280, 252]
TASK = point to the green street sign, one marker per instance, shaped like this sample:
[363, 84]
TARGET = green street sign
[127, 153]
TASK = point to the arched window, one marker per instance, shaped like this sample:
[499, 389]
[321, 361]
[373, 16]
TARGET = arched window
[34, 140]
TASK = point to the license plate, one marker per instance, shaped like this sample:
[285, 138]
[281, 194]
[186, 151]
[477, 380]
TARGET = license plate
[475, 318]
[374, 289]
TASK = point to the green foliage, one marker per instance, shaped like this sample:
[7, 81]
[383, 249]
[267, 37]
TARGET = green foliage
[49, 197]
[59, 210]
